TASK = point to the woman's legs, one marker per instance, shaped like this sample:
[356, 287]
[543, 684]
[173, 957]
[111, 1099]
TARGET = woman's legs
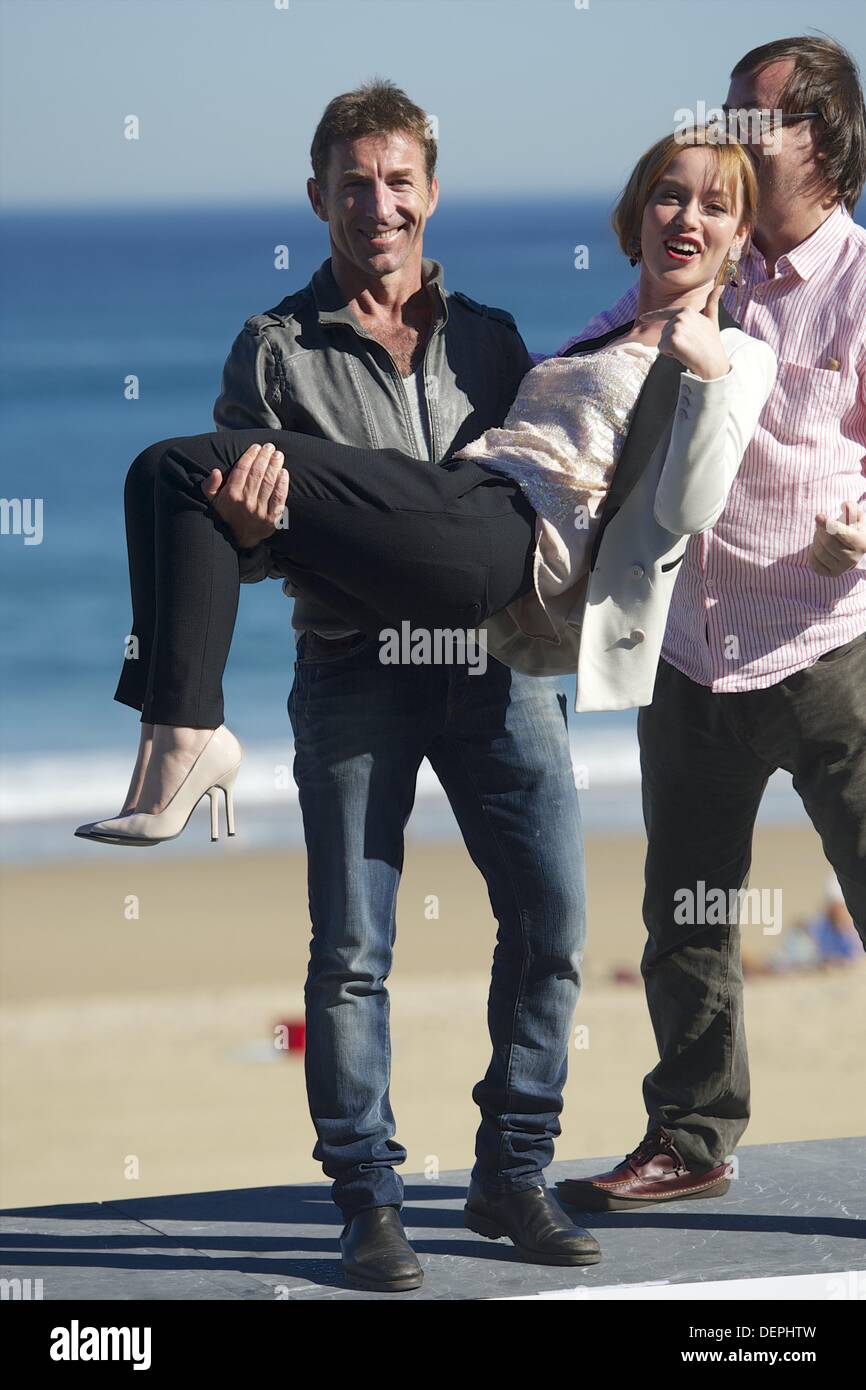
[183, 573]
[437, 545]
[402, 539]
[167, 750]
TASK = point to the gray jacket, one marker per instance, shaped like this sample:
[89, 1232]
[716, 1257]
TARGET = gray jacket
[307, 365]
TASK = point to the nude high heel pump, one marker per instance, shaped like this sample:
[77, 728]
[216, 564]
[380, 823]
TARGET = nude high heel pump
[213, 771]
[225, 786]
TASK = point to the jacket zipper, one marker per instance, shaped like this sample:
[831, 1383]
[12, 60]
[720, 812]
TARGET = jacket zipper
[431, 414]
[407, 414]
[434, 442]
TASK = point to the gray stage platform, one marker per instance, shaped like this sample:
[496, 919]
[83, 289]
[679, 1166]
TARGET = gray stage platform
[795, 1209]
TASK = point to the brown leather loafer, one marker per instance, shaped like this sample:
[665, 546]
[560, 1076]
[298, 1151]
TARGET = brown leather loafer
[654, 1172]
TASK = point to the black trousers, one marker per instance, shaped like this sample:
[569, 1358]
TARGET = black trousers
[705, 761]
[380, 537]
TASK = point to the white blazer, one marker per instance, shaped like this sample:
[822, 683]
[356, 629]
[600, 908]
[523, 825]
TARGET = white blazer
[685, 443]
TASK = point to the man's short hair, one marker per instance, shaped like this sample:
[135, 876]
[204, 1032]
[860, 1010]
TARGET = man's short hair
[825, 79]
[376, 108]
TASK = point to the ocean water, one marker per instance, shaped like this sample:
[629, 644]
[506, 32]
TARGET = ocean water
[91, 298]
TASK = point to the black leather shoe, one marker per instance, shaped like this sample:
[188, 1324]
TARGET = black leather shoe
[376, 1253]
[535, 1222]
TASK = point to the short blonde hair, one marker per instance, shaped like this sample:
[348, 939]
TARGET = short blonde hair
[735, 167]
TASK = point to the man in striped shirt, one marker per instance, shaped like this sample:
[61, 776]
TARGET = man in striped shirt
[764, 660]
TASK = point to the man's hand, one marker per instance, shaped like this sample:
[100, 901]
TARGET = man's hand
[693, 336]
[840, 545]
[253, 500]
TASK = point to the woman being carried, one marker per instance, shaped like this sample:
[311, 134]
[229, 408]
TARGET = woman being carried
[500, 536]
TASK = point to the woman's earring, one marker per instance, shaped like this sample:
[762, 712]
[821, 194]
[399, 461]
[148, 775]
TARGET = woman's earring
[731, 271]
[634, 257]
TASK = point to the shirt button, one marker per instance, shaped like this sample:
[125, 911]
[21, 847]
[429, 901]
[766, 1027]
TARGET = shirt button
[637, 572]
[683, 413]
[637, 634]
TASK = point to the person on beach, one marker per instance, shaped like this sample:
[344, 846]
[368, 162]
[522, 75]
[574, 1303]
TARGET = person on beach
[532, 520]
[764, 661]
[376, 351]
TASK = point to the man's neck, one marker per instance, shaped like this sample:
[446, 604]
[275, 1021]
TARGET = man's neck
[780, 234]
[381, 298]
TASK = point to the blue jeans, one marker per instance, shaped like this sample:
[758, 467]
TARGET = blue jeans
[498, 743]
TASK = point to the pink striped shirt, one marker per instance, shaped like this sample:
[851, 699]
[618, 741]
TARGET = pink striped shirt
[746, 609]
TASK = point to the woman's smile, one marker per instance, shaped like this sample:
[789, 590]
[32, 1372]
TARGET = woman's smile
[682, 248]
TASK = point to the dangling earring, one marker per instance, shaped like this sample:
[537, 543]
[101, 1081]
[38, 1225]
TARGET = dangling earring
[730, 275]
[635, 257]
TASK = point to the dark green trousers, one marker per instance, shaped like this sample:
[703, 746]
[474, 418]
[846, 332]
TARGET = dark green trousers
[705, 761]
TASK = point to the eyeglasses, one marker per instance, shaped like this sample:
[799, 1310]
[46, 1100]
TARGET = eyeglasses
[768, 122]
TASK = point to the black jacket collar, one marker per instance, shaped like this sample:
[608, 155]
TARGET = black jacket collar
[592, 344]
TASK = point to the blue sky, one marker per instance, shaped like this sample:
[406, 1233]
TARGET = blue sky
[531, 96]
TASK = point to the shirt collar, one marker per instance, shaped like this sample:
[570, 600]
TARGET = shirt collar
[331, 306]
[813, 253]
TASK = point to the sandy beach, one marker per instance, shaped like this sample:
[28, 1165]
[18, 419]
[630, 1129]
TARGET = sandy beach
[140, 1000]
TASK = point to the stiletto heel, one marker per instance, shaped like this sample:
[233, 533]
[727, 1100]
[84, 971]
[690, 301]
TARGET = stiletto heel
[214, 814]
[214, 770]
[227, 785]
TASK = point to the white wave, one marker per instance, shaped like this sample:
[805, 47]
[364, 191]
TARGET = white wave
[87, 785]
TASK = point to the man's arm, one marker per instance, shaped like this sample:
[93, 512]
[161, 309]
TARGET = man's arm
[248, 398]
[517, 362]
[249, 393]
[253, 396]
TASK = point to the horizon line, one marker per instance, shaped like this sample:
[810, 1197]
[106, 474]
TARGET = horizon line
[214, 205]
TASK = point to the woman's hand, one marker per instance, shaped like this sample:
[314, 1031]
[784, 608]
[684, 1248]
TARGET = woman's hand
[253, 500]
[693, 337]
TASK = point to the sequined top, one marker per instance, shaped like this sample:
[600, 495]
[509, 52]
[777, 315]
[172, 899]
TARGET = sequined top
[561, 441]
